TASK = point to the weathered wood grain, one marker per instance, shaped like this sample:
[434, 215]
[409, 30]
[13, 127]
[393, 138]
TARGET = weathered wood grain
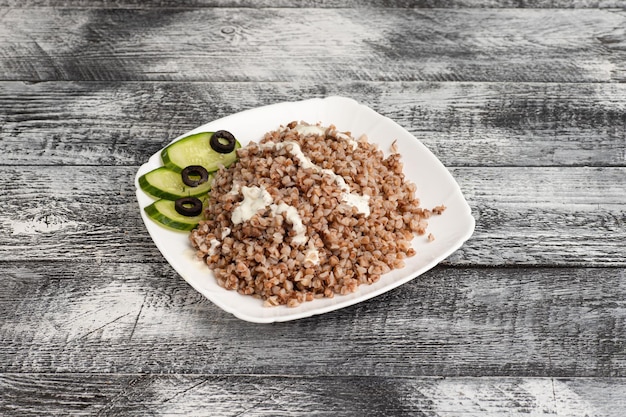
[522, 99]
[259, 4]
[525, 216]
[143, 318]
[196, 395]
[464, 124]
[252, 45]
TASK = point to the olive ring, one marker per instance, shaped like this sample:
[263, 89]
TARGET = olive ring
[223, 141]
[191, 173]
[188, 206]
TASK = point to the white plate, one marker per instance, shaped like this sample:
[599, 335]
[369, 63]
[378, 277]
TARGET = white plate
[435, 185]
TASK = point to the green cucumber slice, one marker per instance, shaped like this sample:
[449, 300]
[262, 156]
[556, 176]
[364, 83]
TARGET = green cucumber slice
[196, 150]
[163, 212]
[165, 183]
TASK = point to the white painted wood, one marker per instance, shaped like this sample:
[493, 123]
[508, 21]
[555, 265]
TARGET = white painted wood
[402, 4]
[523, 100]
[142, 318]
[313, 45]
[464, 124]
[524, 216]
[149, 395]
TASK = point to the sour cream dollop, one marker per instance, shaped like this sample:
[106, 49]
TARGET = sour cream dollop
[361, 202]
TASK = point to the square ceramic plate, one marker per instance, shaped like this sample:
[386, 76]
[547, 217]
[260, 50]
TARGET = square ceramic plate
[435, 185]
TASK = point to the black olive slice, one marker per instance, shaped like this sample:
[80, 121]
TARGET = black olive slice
[188, 206]
[194, 175]
[222, 141]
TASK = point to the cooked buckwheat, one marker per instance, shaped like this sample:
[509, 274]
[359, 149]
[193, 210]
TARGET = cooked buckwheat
[306, 213]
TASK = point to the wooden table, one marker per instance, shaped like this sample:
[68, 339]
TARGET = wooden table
[524, 102]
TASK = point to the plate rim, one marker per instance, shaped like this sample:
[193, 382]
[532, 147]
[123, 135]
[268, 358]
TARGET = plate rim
[340, 301]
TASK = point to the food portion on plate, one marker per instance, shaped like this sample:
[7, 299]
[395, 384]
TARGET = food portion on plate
[182, 183]
[307, 212]
[274, 219]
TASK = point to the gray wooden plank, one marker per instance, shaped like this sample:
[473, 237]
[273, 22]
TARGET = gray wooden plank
[525, 216]
[464, 124]
[375, 44]
[195, 395]
[143, 318]
[416, 4]
[527, 318]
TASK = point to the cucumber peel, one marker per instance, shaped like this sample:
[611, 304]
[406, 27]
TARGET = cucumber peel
[196, 150]
[163, 211]
[168, 184]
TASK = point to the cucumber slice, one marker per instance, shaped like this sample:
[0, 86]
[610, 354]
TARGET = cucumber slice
[196, 150]
[165, 183]
[163, 212]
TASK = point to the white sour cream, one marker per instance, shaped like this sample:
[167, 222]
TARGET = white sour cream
[214, 245]
[254, 199]
[236, 189]
[257, 198]
[306, 130]
[361, 202]
[348, 139]
[294, 218]
[312, 255]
